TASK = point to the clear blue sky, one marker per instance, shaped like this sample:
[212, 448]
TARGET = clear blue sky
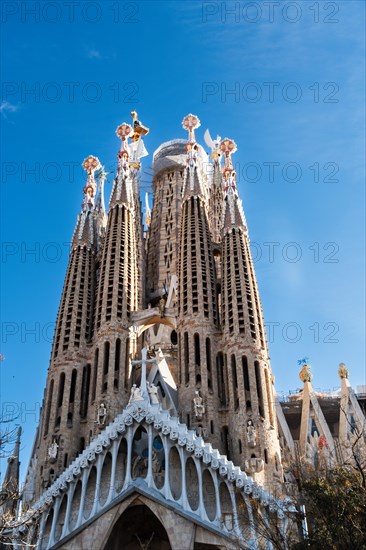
[296, 73]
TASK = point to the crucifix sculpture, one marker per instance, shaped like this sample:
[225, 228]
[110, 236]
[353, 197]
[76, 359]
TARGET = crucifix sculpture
[143, 361]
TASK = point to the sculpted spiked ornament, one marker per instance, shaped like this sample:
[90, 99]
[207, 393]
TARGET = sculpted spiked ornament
[228, 147]
[214, 145]
[123, 131]
[137, 147]
[90, 164]
[190, 123]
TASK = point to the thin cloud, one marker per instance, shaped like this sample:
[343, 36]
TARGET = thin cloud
[7, 107]
[92, 53]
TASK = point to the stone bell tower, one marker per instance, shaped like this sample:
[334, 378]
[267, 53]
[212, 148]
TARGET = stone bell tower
[184, 286]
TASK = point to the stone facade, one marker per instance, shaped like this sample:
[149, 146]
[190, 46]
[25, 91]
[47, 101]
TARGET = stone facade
[181, 290]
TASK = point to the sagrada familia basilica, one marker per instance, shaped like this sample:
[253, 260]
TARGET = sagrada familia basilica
[160, 426]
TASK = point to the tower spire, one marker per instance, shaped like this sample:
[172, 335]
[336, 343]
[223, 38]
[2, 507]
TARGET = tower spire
[216, 201]
[193, 184]
[244, 341]
[233, 211]
[120, 287]
[197, 315]
[101, 176]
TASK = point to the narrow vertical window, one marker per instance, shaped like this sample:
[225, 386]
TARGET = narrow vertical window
[221, 378]
[208, 363]
[248, 402]
[73, 386]
[226, 380]
[197, 357]
[186, 358]
[105, 366]
[95, 375]
[269, 397]
[197, 351]
[84, 397]
[259, 388]
[70, 411]
[61, 388]
[117, 359]
[60, 398]
[127, 364]
[235, 381]
[245, 373]
[48, 409]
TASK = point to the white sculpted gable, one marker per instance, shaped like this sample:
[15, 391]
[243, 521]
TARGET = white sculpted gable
[155, 441]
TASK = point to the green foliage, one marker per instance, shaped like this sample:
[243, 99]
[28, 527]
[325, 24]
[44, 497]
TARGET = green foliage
[335, 505]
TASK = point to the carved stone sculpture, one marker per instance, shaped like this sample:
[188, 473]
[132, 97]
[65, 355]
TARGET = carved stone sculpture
[251, 434]
[199, 408]
[136, 394]
[52, 451]
[343, 372]
[102, 414]
[153, 393]
[305, 374]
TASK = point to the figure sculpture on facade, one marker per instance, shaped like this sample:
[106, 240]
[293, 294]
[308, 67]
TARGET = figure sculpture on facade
[162, 303]
[136, 394]
[102, 414]
[251, 434]
[153, 393]
[343, 372]
[305, 373]
[199, 408]
[53, 450]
